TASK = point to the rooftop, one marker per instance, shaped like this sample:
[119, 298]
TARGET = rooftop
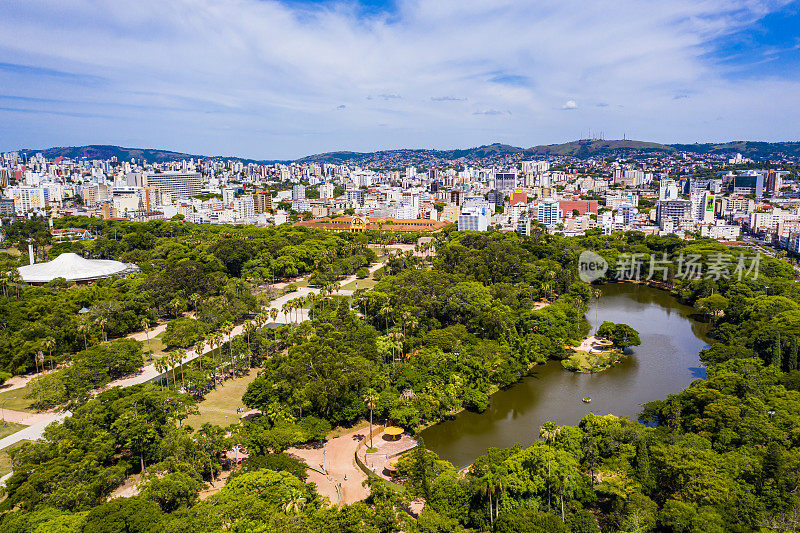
[73, 267]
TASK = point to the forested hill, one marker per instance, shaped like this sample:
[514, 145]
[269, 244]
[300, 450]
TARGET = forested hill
[582, 149]
[107, 151]
[490, 154]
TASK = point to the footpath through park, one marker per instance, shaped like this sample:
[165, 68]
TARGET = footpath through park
[149, 372]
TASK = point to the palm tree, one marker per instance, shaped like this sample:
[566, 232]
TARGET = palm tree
[216, 339]
[4, 281]
[175, 305]
[489, 484]
[227, 329]
[194, 298]
[181, 355]
[596, 293]
[386, 311]
[172, 358]
[83, 328]
[48, 344]
[248, 328]
[145, 323]
[14, 279]
[295, 503]
[198, 349]
[370, 399]
[549, 432]
[158, 364]
[102, 321]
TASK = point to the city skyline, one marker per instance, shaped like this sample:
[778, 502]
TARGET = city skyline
[284, 80]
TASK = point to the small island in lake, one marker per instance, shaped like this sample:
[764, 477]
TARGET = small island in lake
[603, 349]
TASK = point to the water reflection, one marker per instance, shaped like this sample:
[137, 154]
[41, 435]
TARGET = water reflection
[666, 362]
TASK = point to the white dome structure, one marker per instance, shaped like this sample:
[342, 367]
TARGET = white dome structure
[75, 268]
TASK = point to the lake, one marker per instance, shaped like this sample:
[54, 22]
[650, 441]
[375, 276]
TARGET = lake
[666, 361]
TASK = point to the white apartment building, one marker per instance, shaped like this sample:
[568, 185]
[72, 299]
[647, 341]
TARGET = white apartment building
[548, 213]
[475, 214]
[180, 185]
[27, 199]
[245, 206]
[720, 231]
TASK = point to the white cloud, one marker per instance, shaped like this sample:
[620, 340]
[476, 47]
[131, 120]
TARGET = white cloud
[264, 79]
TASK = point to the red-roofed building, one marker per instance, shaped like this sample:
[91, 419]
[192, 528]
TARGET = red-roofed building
[583, 206]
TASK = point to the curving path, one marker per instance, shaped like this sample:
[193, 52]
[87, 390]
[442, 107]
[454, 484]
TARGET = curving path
[149, 372]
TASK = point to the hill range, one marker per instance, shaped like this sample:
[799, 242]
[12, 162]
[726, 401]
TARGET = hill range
[488, 154]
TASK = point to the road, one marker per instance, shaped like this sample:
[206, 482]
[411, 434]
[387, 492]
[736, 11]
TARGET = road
[149, 372]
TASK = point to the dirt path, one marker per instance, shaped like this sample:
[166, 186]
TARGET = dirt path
[21, 380]
[25, 417]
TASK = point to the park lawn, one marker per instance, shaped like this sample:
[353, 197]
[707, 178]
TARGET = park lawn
[156, 344]
[366, 283]
[219, 406]
[15, 400]
[10, 428]
[5, 459]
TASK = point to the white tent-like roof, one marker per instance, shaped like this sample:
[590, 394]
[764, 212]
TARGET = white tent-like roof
[73, 267]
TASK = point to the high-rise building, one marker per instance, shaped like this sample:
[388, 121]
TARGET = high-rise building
[262, 201]
[298, 192]
[774, 182]
[245, 206]
[474, 218]
[505, 182]
[180, 185]
[27, 199]
[675, 210]
[548, 212]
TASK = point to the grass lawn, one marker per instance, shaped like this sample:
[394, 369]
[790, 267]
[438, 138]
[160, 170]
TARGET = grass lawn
[10, 428]
[156, 344]
[219, 406]
[5, 459]
[15, 399]
[366, 283]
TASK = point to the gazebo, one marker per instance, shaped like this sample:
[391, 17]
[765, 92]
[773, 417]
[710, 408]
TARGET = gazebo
[393, 432]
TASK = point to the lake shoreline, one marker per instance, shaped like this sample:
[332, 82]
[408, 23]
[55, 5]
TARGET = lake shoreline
[666, 362]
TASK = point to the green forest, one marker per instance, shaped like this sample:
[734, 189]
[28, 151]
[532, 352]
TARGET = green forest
[435, 335]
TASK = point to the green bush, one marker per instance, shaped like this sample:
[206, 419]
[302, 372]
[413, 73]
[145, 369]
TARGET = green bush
[184, 332]
[475, 400]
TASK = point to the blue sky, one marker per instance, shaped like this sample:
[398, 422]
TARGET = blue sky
[268, 79]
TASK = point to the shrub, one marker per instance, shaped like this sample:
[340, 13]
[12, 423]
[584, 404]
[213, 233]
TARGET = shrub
[475, 400]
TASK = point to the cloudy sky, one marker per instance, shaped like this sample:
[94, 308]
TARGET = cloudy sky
[269, 79]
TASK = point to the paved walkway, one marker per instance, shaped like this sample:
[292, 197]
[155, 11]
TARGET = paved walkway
[386, 452]
[149, 372]
[342, 482]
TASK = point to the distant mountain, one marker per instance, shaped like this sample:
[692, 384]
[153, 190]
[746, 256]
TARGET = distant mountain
[600, 148]
[482, 155]
[420, 157]
[755, 150]
[106, 151]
